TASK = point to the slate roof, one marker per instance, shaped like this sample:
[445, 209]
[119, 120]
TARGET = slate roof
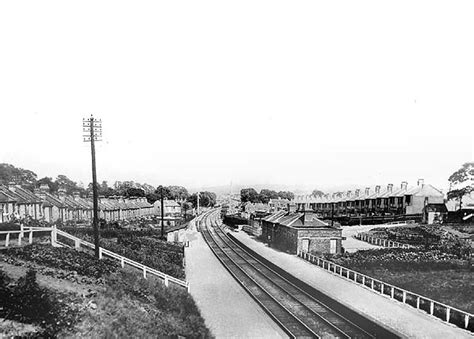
[4, 198]
[294, 220]
[12, 195]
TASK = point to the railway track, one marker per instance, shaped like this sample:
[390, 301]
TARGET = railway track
[298, 313]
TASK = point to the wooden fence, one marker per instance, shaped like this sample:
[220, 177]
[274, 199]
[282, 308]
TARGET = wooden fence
[442, 311]
[381, 242]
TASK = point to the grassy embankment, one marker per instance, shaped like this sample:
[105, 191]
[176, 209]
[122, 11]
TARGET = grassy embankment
[72, 294]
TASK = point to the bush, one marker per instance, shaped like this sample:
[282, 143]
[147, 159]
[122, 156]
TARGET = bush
[63, 258]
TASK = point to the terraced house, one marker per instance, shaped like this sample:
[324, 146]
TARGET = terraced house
[19, 203]
[390, 200]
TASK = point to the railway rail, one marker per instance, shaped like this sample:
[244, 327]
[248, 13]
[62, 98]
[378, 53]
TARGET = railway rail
[297, 312]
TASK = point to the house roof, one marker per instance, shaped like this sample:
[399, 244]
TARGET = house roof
[295, 220]
[50, 200]
[27, 195]
[6, 198]
[441, 208]
[12, 195]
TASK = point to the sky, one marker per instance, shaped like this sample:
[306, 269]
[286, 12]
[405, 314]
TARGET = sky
[314, 94]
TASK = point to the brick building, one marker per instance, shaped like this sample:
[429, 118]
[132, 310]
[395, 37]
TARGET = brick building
[296, 231]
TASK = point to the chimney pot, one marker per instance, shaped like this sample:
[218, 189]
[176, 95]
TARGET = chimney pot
[421, 182]
[404, 185]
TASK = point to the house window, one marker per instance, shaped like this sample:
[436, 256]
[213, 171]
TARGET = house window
[408, 199]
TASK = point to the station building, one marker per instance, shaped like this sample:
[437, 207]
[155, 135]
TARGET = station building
[297, 231]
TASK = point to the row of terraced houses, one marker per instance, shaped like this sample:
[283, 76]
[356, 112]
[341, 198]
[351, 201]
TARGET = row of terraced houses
[19, 203]
[390, 200]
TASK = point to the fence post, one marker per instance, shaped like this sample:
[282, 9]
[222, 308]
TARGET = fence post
[363, 280]
[166, 281]
[19, 238]
[466, 320]
[53, 235]
[122, 262]
[21, 232]
[100, 253]
[144, 272]
[30, 239]
[393, 292]
[77, 243]
[418, 302]
[448, 310]
[7, 239]
[431, 307]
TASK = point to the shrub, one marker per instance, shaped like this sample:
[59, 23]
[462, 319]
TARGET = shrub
[63, 258]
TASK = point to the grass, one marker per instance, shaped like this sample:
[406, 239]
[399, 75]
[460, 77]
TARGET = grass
[432, 274]
[132, 307]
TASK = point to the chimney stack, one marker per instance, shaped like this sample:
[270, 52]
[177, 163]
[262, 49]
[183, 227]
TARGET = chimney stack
[357, 193]
[367, 191]
[291, 208]
[404, 185]
[76, 195]
[44, 188]
[62, 193]
[421, 182]
[349, 194]
[377, 189]
[11, 186]
[389, 188]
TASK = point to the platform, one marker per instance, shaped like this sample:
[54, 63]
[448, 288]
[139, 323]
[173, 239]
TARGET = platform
[228, 310]
[403, 319]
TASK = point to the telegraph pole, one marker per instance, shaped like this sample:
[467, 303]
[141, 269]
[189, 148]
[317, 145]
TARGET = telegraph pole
[198, 202]
[93, 129]
[162, 214]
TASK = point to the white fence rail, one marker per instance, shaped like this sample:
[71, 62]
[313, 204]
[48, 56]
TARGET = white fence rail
[380, 242]
[54, 232]
[20, 234]
[433, 307]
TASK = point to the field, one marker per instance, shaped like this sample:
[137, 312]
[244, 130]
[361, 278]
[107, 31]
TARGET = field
[79, 296]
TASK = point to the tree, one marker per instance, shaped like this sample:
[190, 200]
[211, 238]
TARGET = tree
[134, 192]
[286, 195]
[53, 186]
[266, 194]
[70, 186]
[249, 194]
[317, 193]
[461, 182]
[206, 199]
[178, 192]
[20, 176]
